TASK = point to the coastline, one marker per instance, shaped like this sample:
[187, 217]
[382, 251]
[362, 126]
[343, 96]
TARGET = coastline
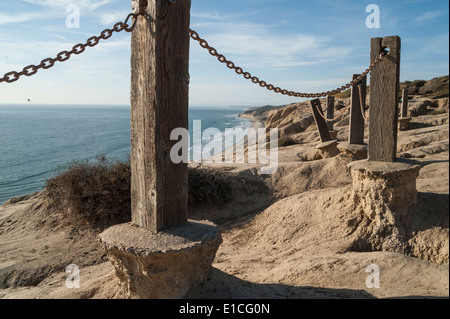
[219, 158]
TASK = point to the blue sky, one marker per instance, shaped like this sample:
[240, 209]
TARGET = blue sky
[306, 46]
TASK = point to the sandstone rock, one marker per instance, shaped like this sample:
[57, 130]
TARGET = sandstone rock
[384, 194]
[355, 152]
[422, 107]
[443, 104]
[297, 127]
[164, 265]
[328, 149]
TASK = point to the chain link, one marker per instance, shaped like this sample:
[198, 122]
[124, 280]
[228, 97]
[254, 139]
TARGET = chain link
[231, 65]
[79, 48]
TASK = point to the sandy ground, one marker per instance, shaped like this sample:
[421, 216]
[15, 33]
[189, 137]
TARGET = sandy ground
[287, 235]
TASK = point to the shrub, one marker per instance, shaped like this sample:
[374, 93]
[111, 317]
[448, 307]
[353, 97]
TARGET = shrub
[208, 187]
[98, 194]
[344, 95]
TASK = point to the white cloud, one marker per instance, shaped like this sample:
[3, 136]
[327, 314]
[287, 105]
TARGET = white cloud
[85, 5]
[51, 9]
[21, 17]
[256, 45]
[113, 17]
[430, 15]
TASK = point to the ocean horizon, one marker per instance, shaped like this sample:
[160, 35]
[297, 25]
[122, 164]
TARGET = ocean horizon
[39, 141]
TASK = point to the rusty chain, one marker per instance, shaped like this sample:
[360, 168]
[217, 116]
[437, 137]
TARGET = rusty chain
[337, 117]
[362, 103]
[231, 65]
[79, 48]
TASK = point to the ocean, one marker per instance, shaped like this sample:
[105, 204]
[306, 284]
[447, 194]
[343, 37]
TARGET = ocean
[37, 142]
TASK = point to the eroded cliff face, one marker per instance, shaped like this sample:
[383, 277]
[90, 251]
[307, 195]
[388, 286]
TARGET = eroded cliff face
[425, 98]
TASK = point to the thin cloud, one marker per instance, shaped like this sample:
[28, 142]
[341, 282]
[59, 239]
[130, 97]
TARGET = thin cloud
[21, 17]
[214, 15]
[254, 45]
[430, 15]
[53, 9]
[112, 17]
[85, 5]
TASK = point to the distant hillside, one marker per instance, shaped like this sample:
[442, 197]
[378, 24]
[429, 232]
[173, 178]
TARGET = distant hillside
[260, 113]
[432, 89]
[435, 88]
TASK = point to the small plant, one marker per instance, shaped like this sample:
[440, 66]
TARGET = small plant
[208, 187]
[97, 194]
[344, 95]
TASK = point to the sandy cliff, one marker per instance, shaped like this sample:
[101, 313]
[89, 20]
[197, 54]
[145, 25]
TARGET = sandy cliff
[293, 234]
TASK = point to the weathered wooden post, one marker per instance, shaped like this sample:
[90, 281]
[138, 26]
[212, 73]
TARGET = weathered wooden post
[384, 187]
[327, 147]
[404, 120]
[357, 122]
[405, 103]
[160, 254]
[384, 97]
[330, 111]
[330, 117]
[355, 147]
[322, 126]
[159, 104]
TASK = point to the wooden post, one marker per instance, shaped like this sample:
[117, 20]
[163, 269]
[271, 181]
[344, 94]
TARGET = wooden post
[159, 104]
[384, 97]
[357, 123]
[405, 102]
[320, 121]
[330, 112]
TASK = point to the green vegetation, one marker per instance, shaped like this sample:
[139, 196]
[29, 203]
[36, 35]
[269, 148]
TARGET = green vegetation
[344, 95]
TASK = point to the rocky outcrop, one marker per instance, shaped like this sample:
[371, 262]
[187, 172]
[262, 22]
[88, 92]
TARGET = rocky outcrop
[435, 88]
[259, 114]
[426, 97]
[290, 120]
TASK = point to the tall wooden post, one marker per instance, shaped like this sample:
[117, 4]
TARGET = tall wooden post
[159, 104]
[384, 97]
[330, 112]
[322, 127]
[405, 102]
[357, 122]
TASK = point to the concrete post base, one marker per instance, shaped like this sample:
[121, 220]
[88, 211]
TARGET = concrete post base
[403, 123]
[328, 149]
[355, 151]
[384, 194]
[164, 265]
